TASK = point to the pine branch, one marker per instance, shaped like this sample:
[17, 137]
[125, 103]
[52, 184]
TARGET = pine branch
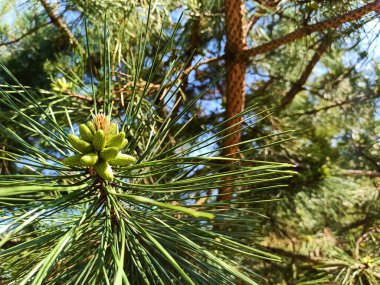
[363, 238]
[28, 33]
[253, 20]
[61, 25]
[298, 86]
[189, 54]
[356, 172]
[353, 225]
[259, 14]
[333, 23]
[309, 29]
[200, 63]
[294, 256]
[337, 104]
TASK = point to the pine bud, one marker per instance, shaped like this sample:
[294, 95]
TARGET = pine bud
[91, 126]
[99, 140]
[122, 160]
[72, 160]
[104, 170]
[89, 159]
[86, 133]
[113, 129]
[80, 145]
[101, 122]
[123, 144]
[116, 140]
[109, 153]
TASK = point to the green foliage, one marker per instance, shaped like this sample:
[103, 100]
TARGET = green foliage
[110, 232]
[160, 220]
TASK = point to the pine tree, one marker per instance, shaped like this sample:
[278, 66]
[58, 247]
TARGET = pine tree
[112, 190]
[187, 208]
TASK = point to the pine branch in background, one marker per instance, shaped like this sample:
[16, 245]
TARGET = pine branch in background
[28, 33]
[362, 99]
[310, 29]
[190, 53]
[298, 86]
[356, 172]
[61, 25]
[236, 57]
[262, 10]
[329, 24]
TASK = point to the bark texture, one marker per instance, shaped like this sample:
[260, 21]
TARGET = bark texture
[235, 80]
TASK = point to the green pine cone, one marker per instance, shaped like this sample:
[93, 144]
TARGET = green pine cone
[86, 133]
[109, 153]
[104, 170]
[80, 145]
[122, 160]
[99, 141]
[116, 140]
[89, 159]
[113, 130]
[123, 144]
[91, 126]
[72, 160]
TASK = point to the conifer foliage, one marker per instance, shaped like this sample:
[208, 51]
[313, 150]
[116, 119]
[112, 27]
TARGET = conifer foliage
[78, 210]
[189, 142]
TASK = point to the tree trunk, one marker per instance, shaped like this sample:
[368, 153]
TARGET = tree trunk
[235, 81]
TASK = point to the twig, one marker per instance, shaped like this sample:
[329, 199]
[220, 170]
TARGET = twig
[332, 23]
[298, 86]
[364, 238]
[355, 172]
[31, 31]
[81, 97]
[354, 225]
[258, 14]
[203, 62]
[61, 25]
[338, 104]
[189, 54]
[295, 256]
[253, 20]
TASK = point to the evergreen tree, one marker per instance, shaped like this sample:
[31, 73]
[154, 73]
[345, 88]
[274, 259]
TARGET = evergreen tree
[197, 195]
